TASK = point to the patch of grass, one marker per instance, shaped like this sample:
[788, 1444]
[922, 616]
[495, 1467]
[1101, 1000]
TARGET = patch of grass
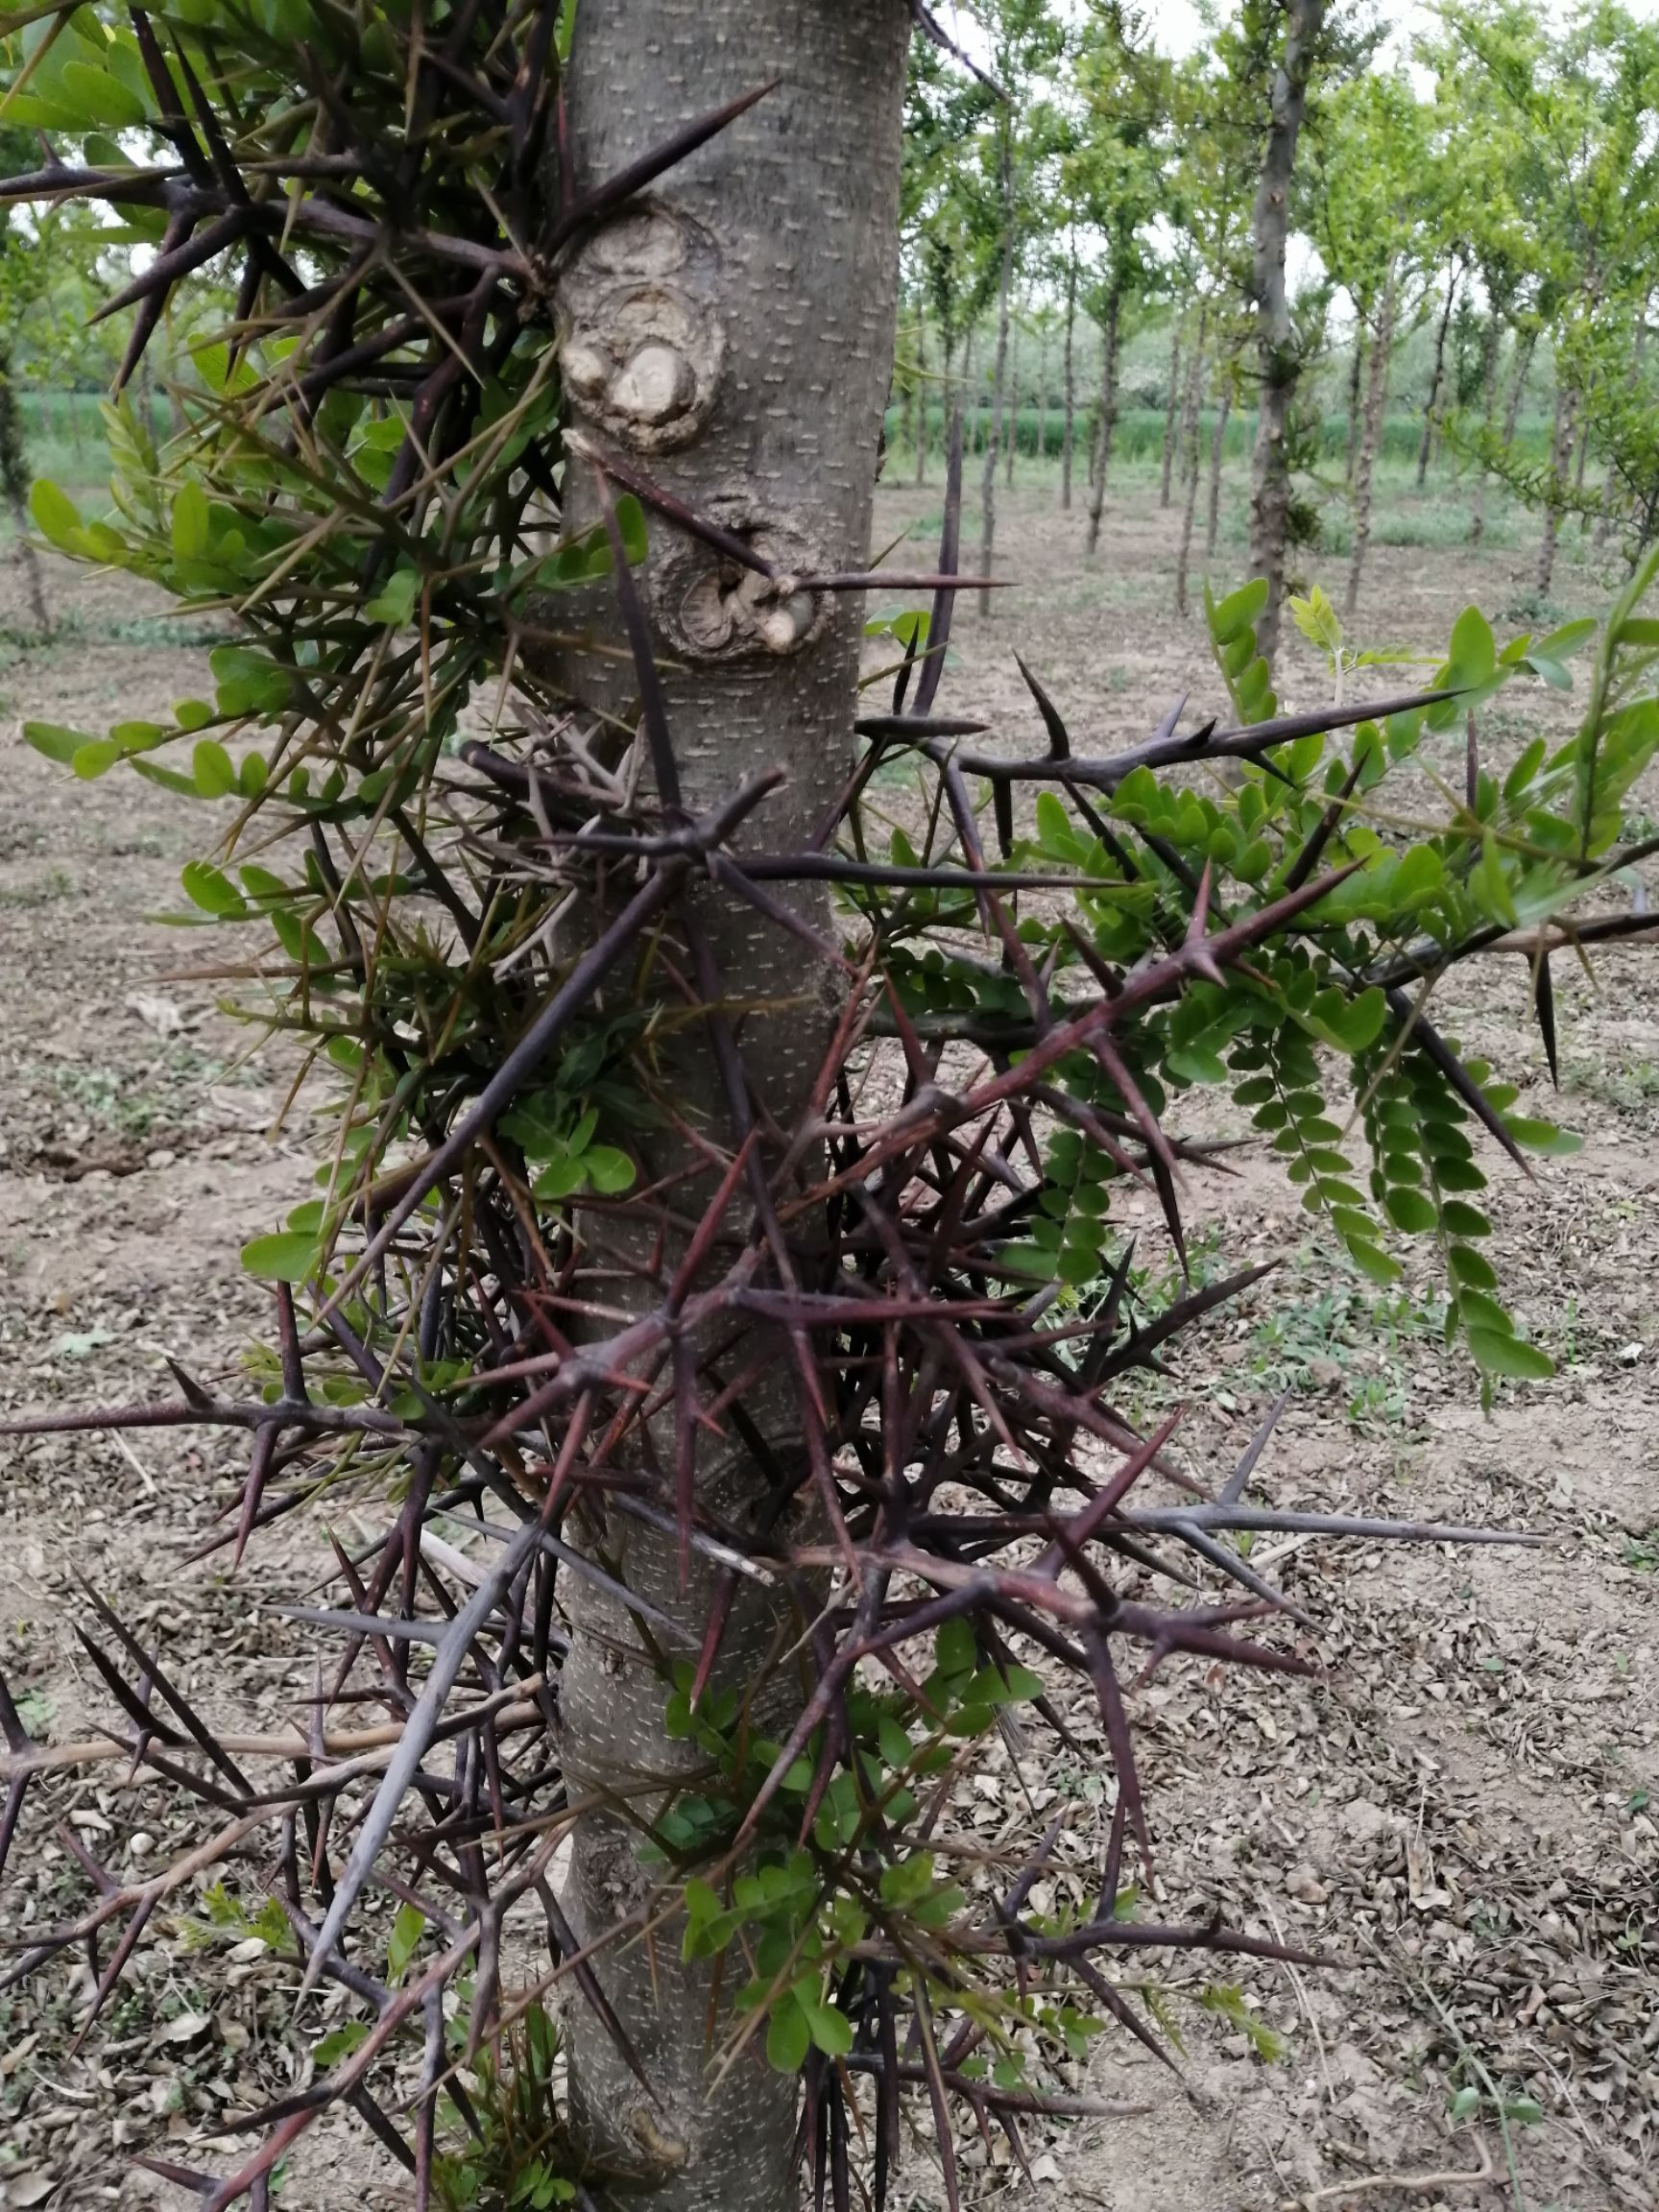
[134, 1105]
[109, 1098]
[42, 891]
[77, 625]
[1320, 1337]
[1628, 1088]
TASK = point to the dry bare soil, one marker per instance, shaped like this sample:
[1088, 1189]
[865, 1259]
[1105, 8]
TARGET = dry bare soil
[1459, 1810]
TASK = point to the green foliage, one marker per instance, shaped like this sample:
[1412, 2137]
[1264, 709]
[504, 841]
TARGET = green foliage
[798, 1909]
[1327, 1008]
[519, 2158]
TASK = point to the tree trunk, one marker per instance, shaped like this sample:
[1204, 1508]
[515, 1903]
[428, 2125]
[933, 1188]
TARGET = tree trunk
[908, 415]
[1280, 364]
[1355, 388]
[1043, 400]
[1610, 487]
[1217, 454]
[1376, 408]
[1068, 434]
[1488, 408]
[1581, 466]
[1108, 419]
[1437, 376]
[1522, 363]
[14, 481]
[1190, 421]
[923, 400]
[999, 378]
[1011, 420]
[1172, 408]
[776, 243]
[1560, 454]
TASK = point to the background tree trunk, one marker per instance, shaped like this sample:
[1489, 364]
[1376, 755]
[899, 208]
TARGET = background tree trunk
[999, 378]
[1560, 455]
[14, 480]
[1610, 485]
[1279, 362]
[1355, 388]
[1069, 433]
[780, 240]
[1524, 352]
[1108, 419]
[924, 401]
[1042, 399]
[907, 413]
[1488, 408]
[1011, 417]
[1582, 412]
[1430, 413]
[1171, 413]
[1371, 437]
[1217, 456]
[1190, 420]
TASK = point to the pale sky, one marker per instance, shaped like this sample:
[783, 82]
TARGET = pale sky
[1180, 27]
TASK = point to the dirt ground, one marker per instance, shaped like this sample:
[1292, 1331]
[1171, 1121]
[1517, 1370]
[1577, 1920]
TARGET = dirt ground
[1459, 1811]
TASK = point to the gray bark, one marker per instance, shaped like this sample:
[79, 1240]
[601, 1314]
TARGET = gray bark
[1171, 409]
[1217, 454]
[1375, 409]
[1430, 413]
[1108, 422]
[1280, 364]
[769, 258]
[1190, 417]
[1068, 435]
[998, 380]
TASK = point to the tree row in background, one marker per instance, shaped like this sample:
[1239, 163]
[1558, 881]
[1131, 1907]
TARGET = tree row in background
[1308, 227]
